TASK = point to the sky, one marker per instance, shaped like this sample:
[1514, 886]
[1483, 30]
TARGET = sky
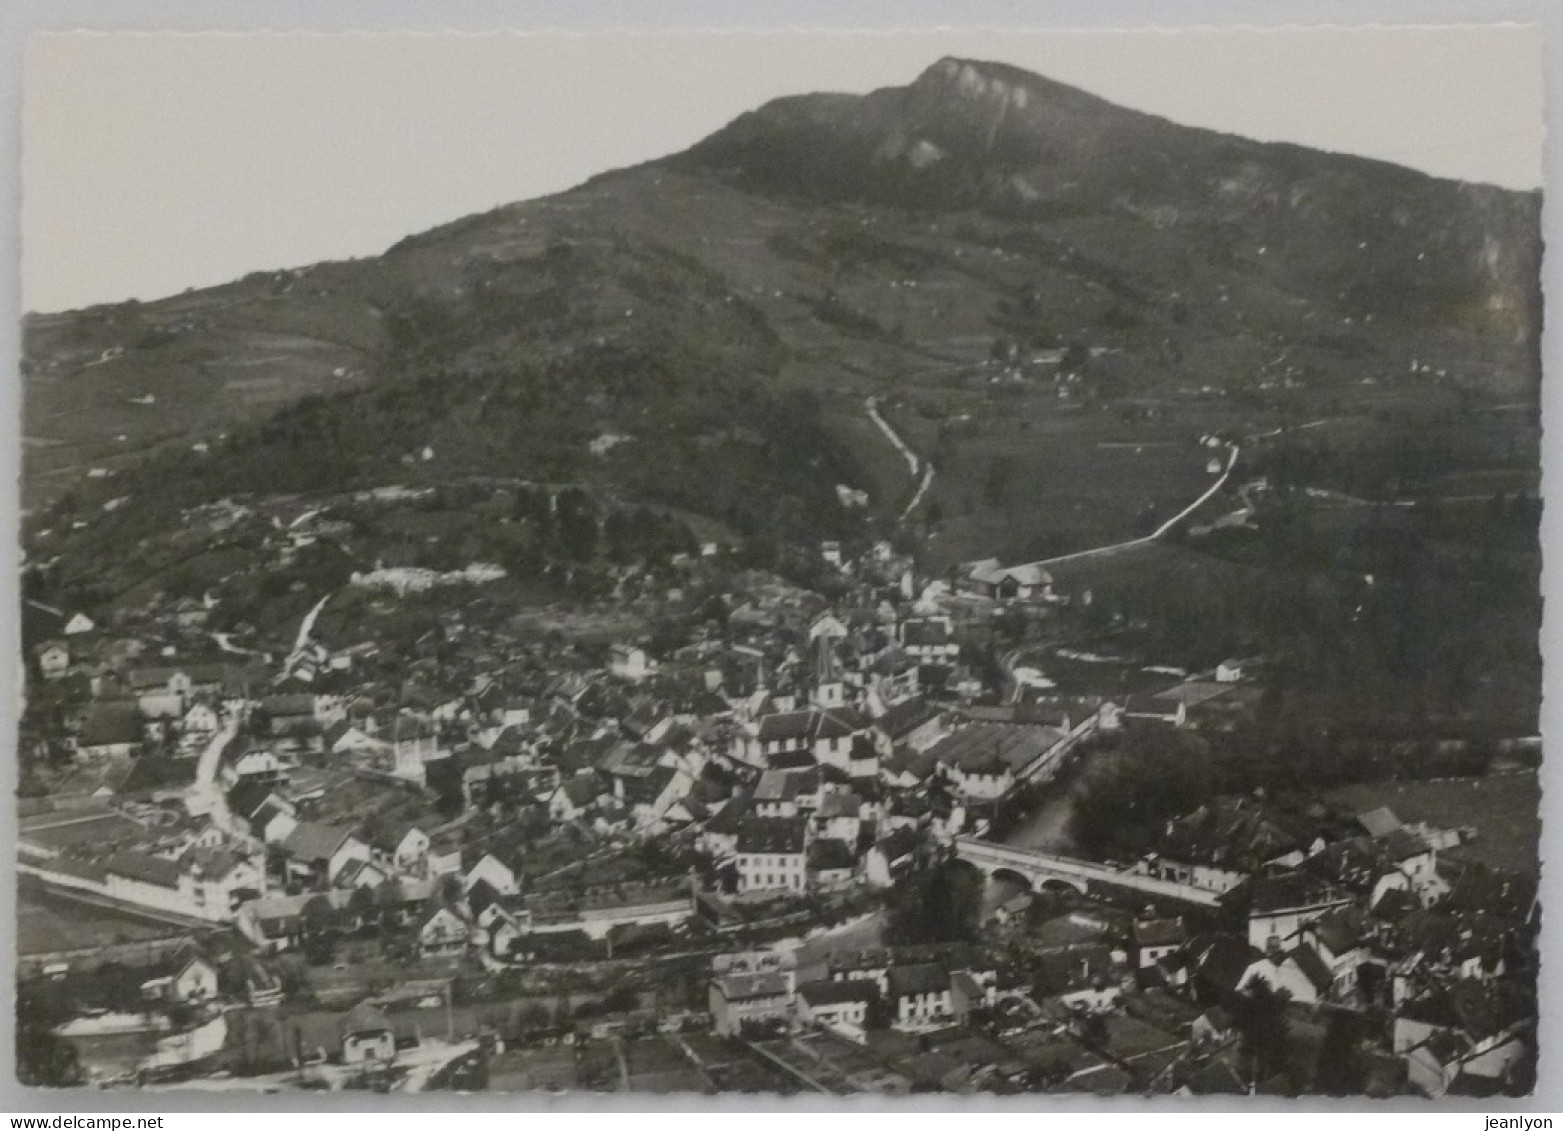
[156, 162]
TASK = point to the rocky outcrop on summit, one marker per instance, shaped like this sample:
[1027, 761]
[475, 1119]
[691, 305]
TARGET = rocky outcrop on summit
[970, 135]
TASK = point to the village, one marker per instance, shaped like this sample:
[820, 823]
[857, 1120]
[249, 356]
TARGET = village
[689, 864]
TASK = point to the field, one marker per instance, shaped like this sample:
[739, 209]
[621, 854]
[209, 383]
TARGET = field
[550, 1068]
[206, 360]
[71, 829]
[732, 1067]
[1505, 810]
[1021, 478]
[46, 922]
[835, 1064]
[655, 1065]
[1197, 603]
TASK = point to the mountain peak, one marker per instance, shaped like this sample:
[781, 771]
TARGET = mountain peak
[962, 132]
[977, 78]
[1000, 84]
[973, 78]
[972, 135]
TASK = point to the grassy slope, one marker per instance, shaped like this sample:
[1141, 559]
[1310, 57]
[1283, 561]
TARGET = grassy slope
[1504, 809]
[838, 295]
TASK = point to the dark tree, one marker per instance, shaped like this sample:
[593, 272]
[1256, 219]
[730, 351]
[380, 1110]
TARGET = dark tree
[318, 929]
[1123, 801]
[444, 777]
[1341, 1070]
[937, 905]
[361, 909]
[1260, 1016]
[879, 1015]
[43, 1060]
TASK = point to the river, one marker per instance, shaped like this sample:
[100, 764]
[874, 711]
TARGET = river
[1045, 828]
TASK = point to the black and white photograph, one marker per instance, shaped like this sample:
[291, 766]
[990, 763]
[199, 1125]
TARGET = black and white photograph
[797, 563]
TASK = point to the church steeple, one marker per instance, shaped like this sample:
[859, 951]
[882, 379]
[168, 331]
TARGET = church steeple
[827, 688]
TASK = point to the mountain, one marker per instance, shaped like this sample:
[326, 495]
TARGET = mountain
[987, 249]
[1370, 236]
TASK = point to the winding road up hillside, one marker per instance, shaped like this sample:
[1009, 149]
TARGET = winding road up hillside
[924, 468]
[921, 469]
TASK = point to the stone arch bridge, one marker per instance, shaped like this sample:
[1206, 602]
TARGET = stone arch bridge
[1041, 869]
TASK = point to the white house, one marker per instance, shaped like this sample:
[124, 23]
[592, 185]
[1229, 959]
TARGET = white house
[981, 778]
[987, 578]
[54, 660]
[193, 980]
[841, 814]
[1478, 1030]
[832, 734]
[1281, 905]
[1229, 671]
[921, 995]
[892, 855]
[495, 872]
[786, 793]
[350, 739]
[1206, 876]
[772, 854]
[829, 626]
[78, 624]
[320, 851]
[1300, 973]
[1338, 941]
[1155, 939]
[831, 863]
[741, 999]
[257, 766]
[278, 825]
[444, 856]
[913, 724]
[201, 719]
[367, 1037]
[162, 693]
[929, 639]
[836, 1004]
[628, 662]
[443, 933]
[771, 735]
[160, 884]
[361, 874]
[574, 797]
[675, 785]
[222, 879]
[1414, 859]
[330, 709]
[1025, 583]
[411, 855]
